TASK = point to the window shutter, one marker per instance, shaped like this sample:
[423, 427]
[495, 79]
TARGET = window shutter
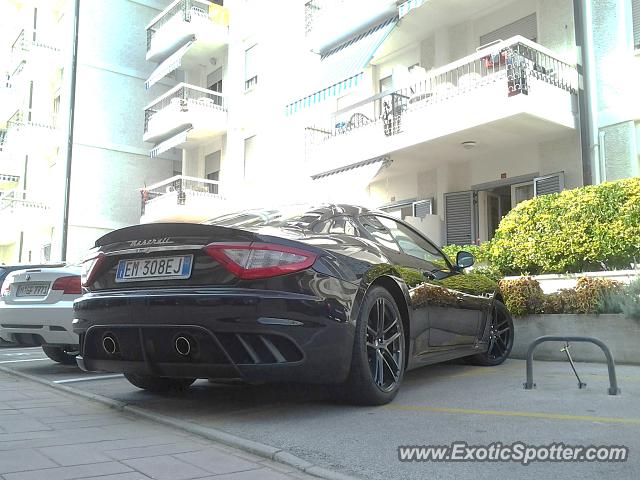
[460, 216]
[527, 27]
[635, 9]
[548, 184]
[250, 67]
[423, 208]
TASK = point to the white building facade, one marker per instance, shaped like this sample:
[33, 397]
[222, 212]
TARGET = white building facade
[445, 113]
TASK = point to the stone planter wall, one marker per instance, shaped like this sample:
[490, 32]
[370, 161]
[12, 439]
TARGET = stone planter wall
[620, 334]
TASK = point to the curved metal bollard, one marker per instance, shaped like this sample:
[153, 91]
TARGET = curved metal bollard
[613, 383]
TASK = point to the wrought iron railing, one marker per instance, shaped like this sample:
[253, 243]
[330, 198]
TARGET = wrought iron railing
[183, 98]
[27, 118]
[15, 199]
[25, 41]
[186, 9]
[180, 190]
[518, 64]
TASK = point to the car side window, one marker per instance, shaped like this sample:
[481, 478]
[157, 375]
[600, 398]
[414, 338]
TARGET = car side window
[413, 244]
[379, 232]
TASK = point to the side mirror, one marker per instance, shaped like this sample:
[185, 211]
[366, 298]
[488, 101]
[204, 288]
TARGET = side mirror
[464, 260]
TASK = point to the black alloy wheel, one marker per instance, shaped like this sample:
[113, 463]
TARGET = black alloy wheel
[385, 344]
[378, 361]
[500, 337]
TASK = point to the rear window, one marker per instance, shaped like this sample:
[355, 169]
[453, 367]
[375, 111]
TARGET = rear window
[295, 216]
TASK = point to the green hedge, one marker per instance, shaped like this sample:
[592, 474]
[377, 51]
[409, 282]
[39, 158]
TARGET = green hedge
[585, 229]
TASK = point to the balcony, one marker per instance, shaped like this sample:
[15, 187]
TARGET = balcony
[26, 125]
[516, 86]
[181, 198]
[185, 116]
[29, 47]
[19, 212]
[205, 23]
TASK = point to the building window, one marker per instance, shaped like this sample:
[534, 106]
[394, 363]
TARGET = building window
[250, 67]
[635, 11]
[249, 156]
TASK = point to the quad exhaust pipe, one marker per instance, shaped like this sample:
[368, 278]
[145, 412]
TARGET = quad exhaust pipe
[109, 344]
[183, 346]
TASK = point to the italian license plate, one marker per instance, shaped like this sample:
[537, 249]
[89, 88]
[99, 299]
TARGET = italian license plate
[33, 290]
[159, 268]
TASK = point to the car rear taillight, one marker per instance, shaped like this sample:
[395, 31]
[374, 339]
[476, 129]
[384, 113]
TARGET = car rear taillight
[68, 285]
[250, 261]
[6, 288]
[91, 268]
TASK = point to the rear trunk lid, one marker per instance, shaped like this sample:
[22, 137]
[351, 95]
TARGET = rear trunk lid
[35, 286]
[168, 255]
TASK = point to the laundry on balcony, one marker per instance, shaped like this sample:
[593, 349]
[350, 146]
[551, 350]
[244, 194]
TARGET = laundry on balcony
[342, 67]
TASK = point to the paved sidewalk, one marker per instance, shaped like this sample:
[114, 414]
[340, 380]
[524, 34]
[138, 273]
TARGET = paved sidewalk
[49, 435]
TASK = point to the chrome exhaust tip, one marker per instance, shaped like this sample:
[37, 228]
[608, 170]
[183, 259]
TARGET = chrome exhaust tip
[183, 346]
[109, 344]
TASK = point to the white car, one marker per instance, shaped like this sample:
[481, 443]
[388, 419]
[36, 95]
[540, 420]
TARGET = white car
[37, 310]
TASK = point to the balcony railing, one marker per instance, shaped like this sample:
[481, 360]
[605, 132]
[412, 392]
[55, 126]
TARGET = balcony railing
[186, 11]
[28, 118]
[518, 64]
[184, 98]
[180, 190]
[26, 40]
[18, 199]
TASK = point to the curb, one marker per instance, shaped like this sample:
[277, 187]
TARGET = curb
[256, 448]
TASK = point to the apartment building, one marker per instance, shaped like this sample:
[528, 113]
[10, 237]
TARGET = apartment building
[450, 113]
[233, 71]
[445, 113]
[110, 161]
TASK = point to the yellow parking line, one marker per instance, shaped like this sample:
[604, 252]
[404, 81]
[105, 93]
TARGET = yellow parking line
[506, 413]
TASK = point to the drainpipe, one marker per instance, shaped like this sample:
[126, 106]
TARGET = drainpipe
[72, 105]
[588, 95]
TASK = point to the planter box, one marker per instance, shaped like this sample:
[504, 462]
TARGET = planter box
[620, 334]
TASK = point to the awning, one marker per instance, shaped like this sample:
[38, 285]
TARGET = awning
[170, 143]
[342, 67]
[171, 63]
[409, 5]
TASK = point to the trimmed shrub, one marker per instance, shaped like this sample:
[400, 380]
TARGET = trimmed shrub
[589, 296]
[630, 304]
[624, 299]
[585, 229]
[522, 295]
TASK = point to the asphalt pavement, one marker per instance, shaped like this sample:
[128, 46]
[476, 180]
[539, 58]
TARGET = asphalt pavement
[436, 406]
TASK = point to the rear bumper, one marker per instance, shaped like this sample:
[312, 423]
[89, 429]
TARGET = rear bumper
[34, 325]
[249, 334]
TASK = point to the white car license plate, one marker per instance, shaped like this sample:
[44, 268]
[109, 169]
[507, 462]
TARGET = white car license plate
[33, 290]
[159, 268]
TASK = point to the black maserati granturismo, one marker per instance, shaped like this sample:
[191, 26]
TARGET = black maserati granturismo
[339, 295]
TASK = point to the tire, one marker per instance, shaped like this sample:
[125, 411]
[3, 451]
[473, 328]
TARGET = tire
[159, 384]
[501, 337]
[378, 359]
[60, 355]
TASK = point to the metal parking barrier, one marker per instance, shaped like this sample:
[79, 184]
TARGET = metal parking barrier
[613, 383]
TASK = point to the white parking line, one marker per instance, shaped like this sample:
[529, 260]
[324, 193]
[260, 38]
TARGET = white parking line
[25, 360]
[86, 379]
